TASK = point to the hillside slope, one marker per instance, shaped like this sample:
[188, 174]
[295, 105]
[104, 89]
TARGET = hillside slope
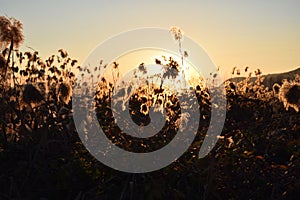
[270, 79]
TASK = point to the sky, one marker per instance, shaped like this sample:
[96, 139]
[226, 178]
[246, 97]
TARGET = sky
[259, 34]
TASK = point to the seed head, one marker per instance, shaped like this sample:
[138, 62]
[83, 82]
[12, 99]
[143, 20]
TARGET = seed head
[289, 94]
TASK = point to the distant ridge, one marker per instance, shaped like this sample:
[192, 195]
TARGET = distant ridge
[271, 79]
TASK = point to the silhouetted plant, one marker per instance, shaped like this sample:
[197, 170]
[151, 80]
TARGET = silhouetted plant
[10, 35]
[257, 155]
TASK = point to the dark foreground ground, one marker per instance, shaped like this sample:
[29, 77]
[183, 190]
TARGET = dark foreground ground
[258, 158]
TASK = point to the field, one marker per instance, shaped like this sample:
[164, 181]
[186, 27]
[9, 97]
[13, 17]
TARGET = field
[42, 156]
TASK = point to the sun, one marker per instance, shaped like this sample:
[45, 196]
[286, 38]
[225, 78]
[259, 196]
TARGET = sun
[133, 59]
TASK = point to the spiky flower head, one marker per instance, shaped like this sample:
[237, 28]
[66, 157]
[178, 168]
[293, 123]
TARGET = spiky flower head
[63, 53]
[142, 68]
[289, 94]
[177, 32]
[64, 92]
[10, 30]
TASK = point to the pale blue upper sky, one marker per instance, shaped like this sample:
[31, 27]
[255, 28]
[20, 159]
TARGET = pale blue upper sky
[261, 34]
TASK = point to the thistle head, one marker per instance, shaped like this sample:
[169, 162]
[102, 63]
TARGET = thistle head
[64, 92]
[177, 33]
[289, 94]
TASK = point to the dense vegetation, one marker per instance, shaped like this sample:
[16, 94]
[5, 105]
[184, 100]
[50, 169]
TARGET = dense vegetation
[42, 157]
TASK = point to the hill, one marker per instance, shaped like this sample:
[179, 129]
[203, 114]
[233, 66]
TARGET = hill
[271, 79]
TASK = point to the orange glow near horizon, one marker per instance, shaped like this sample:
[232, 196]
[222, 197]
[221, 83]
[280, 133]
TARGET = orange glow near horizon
[259, 34]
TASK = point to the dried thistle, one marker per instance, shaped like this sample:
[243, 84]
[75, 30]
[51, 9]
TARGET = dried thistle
[11, 32]
[64, 93]
[142, 68]
[63, 53]
[289, 94]
[177, 33]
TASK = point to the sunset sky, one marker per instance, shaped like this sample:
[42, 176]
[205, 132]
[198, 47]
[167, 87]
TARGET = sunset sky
[259, 34]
